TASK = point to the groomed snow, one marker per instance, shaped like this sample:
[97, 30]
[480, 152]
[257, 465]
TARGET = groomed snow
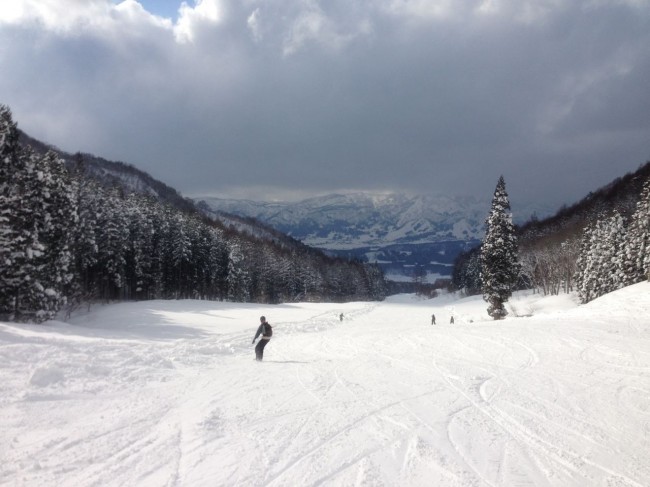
[167, 393]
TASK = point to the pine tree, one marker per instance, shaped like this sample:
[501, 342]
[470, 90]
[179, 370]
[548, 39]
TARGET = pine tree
[180, 255]
[238, 277]
[88, 197]
[585, 277]
[140, 254]
[499, 264]
[637, 249]
[37, 218]
[601, 263]
[611, 258]
[20, 250]
[10, 254]
[59, 224]
[112, 245]
[643, 217]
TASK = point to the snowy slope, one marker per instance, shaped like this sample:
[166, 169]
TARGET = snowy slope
[167, 393]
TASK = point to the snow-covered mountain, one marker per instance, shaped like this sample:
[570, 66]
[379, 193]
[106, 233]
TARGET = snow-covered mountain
[397, 231]
[348, 221]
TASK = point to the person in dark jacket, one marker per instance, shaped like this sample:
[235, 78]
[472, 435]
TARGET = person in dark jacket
[433, 319]
[266, 331]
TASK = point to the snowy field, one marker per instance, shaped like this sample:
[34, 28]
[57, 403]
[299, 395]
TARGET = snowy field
[167, 393]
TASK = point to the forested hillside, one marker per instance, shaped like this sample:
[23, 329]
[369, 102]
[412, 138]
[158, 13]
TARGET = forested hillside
[113, 174]
[595, 246]
[70, 234]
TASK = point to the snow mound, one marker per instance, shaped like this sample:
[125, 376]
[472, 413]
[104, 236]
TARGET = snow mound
[46, 376]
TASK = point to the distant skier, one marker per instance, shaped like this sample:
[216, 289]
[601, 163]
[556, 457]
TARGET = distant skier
[266, 331]
[433, 319]
[451, 321]
[341, 317]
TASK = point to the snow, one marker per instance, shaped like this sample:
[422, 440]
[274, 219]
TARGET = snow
[166, 393]
[429, 278]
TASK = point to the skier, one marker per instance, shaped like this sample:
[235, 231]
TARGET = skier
[266, 331]
[433, 319]
[341, 317]
[451, 321]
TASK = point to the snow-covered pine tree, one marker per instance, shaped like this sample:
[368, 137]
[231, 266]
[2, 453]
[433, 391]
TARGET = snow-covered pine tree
[180, 256]
[643, 217]
[157, 215]
[59, 216]
[205, 270]
[585, 278]
[466, 275]
[37, 217]
[637, 248]
[310, 278]
[12, 255]
[28, 256]
[376, 282]
[238, 279]
[112, 245]
[139, 255]
[601, 261]
[499, 264]
[88, 197]
[192, 282]
[473, 282]
[610, 253]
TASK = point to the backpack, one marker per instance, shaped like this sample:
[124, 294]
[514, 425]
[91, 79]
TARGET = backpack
[267, 331]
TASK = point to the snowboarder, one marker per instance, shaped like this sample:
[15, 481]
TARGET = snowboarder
[433, 319]
[266, 331]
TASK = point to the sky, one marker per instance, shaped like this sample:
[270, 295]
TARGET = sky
[278, 100]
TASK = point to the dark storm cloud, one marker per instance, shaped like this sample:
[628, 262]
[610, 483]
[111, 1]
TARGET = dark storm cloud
[276, 97]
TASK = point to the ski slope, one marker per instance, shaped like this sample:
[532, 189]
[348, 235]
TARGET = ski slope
[167, 393]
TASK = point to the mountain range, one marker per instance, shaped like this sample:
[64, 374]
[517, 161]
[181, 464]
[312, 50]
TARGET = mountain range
[398, 231]
[348, 221]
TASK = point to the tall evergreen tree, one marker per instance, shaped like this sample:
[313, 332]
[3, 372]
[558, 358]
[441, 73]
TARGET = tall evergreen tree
[611, 256]
[637, 248]
[643, 218]
[139, 257]
[499, 264]
[466, 275]
[585, 277]
[601, 264]
[112, 245]
[37, 218]
[238, 278]
[58, 213]
[10, 254]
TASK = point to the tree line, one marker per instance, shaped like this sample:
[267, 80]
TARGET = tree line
[599, 245]
[66, 239]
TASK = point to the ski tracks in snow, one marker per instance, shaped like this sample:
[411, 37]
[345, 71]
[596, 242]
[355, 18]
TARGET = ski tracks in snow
[526, 435]
[382, 398]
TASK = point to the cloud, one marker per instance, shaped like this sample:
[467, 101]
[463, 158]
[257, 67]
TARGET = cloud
[75, 17]
[206, 12]
[308, 95]
[253, 22]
